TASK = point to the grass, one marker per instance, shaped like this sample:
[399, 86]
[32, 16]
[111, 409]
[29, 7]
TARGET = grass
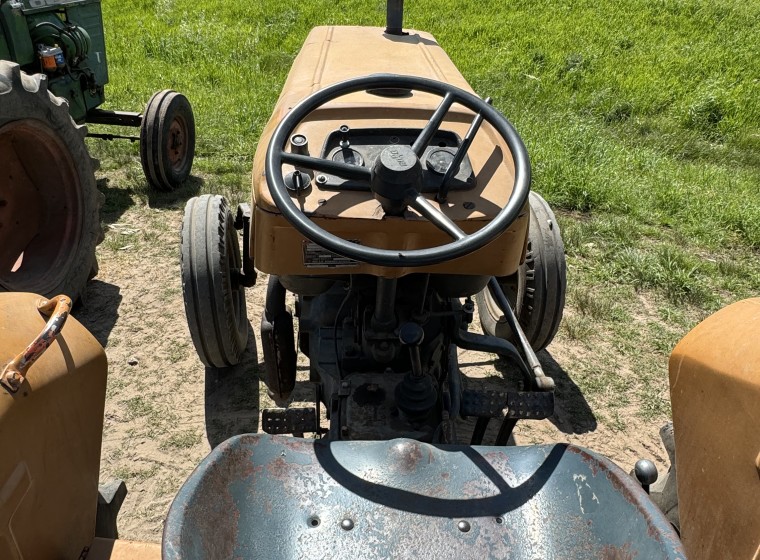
[156, 418]
[640, 113]
[641, 119]
[132, 473]
[184, 439]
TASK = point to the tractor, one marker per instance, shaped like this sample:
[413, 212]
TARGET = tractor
[360, 179]
[53, 74]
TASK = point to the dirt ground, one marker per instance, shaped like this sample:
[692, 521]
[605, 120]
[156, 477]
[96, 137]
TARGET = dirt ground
[165, 411]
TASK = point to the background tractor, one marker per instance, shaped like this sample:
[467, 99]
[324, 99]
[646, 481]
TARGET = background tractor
[53, 74]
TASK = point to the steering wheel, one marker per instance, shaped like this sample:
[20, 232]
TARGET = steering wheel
[396, 175]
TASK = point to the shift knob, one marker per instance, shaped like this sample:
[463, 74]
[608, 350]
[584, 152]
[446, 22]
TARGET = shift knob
[646, 473]
[411, 334]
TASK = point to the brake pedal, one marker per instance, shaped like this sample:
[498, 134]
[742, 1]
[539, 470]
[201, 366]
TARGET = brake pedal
[278, 421]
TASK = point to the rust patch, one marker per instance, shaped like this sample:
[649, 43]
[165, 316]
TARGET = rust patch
[280, 469]
[15, 371]
[587, 458]
[240, 455]
[610, 552]
[212, 511]
[407, 455]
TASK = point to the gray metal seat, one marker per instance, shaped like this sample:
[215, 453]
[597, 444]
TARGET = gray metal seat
[260, 496]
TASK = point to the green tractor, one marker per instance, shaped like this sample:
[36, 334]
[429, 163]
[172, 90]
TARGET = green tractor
[52, 76]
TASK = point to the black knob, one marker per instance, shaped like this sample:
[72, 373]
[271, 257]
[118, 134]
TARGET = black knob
[297, 182]
[411, 334]
[646, 473]
[299, 144]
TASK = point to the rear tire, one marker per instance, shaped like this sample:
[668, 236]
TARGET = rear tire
[49, 202]
[214, 301]
[537, 291]
[167, 140]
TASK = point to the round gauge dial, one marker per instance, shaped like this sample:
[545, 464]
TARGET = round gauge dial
[349, 156]
[438, 161]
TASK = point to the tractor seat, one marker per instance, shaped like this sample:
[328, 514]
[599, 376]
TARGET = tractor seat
[261, 496]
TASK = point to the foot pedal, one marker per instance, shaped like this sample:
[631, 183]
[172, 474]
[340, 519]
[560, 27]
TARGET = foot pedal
[519, 405]
[289, 420]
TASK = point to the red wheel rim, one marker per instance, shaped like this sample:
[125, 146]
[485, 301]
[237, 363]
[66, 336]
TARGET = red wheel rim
[176, 143]
[41, 205]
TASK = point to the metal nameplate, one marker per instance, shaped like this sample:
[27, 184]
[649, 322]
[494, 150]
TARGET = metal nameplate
[315, 256]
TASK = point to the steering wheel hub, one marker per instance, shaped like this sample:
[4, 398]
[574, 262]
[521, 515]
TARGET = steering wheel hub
[396, 174]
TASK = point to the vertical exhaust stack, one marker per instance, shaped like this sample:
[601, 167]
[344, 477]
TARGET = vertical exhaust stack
[395, 18]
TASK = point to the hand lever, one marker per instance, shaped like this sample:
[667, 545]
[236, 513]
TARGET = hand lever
[416, 395]
[411, 335]
[646, 473]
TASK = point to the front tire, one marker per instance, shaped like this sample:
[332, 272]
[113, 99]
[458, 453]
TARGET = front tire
[214, 300]
[49, 202]
[167, 140]
[537, 290]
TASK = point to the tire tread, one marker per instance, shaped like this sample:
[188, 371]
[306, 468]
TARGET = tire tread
[218, 327]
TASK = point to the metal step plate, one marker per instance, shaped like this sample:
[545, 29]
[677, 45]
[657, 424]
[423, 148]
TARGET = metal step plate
[521, 405]
[289, 420]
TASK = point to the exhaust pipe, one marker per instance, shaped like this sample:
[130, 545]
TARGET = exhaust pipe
[395, 18]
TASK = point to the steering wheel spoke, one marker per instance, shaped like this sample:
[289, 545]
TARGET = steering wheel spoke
[453, 168]
[433, 124]
[436, 217]
[343, 170]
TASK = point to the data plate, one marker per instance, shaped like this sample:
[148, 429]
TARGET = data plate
[315, 256]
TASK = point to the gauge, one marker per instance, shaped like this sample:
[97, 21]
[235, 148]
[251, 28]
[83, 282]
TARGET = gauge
[438, 160]
[349, 156]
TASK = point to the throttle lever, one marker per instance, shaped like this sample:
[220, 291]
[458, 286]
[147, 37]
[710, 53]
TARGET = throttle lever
[411, 335]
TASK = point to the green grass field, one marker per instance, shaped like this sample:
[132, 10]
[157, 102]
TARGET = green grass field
[642, 119]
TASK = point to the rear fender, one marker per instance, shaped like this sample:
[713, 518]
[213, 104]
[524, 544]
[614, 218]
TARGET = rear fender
[715, 395]
[50, 433]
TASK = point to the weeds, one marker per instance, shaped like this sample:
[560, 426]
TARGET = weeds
[705, 115]
[184, 439]
[128, 473]
[578, 328]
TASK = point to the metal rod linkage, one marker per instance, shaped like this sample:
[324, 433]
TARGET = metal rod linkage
[385, 301]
